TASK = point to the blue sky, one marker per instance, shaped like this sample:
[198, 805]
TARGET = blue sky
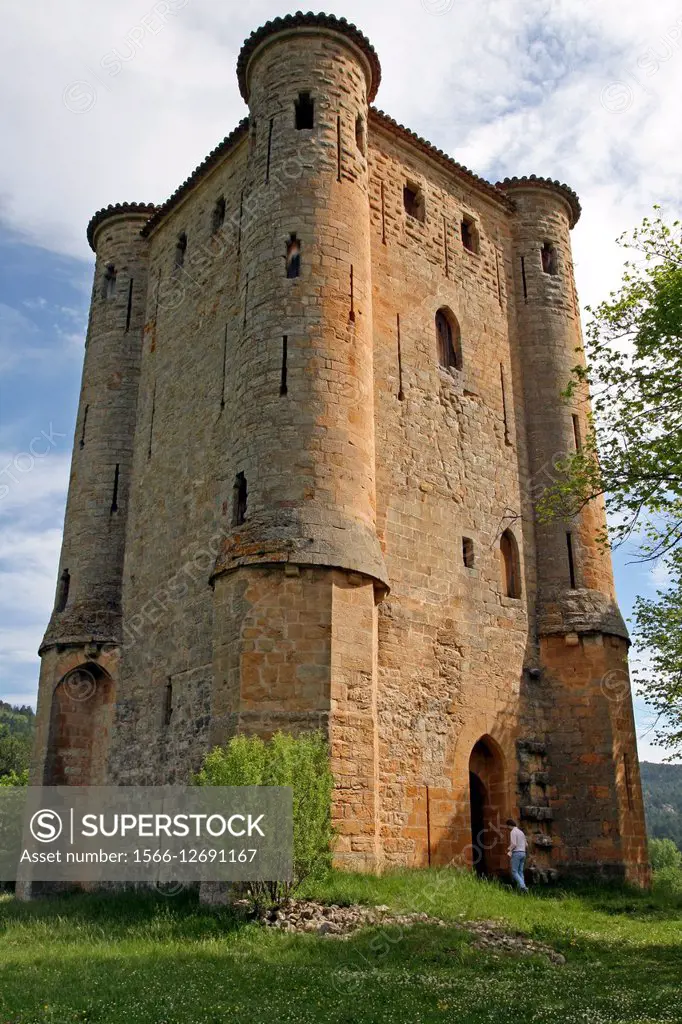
[121, 102]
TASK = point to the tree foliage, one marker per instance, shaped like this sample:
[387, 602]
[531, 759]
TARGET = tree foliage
[634, 373]
[17, 726]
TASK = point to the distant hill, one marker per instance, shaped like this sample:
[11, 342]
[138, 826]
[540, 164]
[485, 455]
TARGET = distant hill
[17, 726]
[662, 785]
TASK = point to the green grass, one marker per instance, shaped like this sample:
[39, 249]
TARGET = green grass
[165, 960]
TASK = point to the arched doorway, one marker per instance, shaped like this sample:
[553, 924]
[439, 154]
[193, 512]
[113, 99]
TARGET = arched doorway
[80, 728]
[488, 807]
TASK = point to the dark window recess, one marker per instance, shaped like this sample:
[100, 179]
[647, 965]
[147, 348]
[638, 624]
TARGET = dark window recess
[180, 249]
[85, 421]
[129, 311]
[168, 704]
[470, 239]
[293, 257]
[269, 160]
[109, 282]
[114, 497]
[361, 134]
[510, 565]
[240, 500]
[468, 552]
[577, 435]
[449, 340]
[413, 200]
[305, 111]
[283, 386]
[523, 278]
[571, 560]
[253, 136]
[218, 217]
[62, 597]
[550, 261]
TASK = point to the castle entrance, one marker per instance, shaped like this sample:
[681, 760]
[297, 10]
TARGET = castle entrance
[488, 812]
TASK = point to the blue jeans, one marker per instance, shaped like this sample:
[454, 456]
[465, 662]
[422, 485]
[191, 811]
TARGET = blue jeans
[518, 859]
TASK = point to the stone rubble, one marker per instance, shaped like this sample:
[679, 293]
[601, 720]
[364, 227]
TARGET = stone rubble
[343, 921]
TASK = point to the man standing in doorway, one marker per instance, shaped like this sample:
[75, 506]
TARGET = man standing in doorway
[518, 846]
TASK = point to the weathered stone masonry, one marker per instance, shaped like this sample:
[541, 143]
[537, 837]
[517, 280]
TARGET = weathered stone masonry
[321, 396]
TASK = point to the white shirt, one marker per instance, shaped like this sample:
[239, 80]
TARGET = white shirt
[517, 841]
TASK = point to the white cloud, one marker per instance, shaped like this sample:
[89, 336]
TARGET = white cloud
[30, 540]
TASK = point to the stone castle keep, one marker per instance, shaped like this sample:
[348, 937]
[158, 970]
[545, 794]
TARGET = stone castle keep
[320, 399]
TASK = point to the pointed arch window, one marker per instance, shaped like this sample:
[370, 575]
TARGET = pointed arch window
[510, 565]
[449, 339]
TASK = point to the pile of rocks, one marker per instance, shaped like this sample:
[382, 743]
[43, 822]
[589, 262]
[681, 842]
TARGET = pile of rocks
[332, 919]
[493, 936]
[341, 922]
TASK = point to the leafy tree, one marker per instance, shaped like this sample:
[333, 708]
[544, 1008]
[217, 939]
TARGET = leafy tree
[634, 350]
[664, 854]
[17, 726]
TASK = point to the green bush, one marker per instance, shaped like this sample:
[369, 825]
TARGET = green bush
[303, 764]
[664, 855]
[15, 778]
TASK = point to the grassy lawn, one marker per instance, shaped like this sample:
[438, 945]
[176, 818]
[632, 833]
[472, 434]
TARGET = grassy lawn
[164, 960]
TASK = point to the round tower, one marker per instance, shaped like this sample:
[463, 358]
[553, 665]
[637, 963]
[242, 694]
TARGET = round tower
[582, 637]
[302, 408]
[301, 569]
[574, 574]
[84, 632]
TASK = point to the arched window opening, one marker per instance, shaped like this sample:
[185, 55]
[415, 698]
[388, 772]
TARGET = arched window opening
[293, 257]
[180, 249]
[449, 340]
[470, 236]
[550, 259]
[218, 218]
[510, 565]
[413, 200]
[305, 111]
[109, 282]
[62, 598]
[361, 134]
[240, 500]
[80, 727]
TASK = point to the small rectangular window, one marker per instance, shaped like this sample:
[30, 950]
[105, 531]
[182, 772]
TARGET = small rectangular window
[470, 239]
[577, 433]
[293, 257]
[180, 249]
[468, 552]
[305, 111]
[413, 200]
[218, 217]
[571, 560]
[109, 282]
[240, 500]
[550, 260]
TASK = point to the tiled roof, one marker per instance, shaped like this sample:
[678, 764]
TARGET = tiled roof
[300, 20]
[111, 211]
[509, 184]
